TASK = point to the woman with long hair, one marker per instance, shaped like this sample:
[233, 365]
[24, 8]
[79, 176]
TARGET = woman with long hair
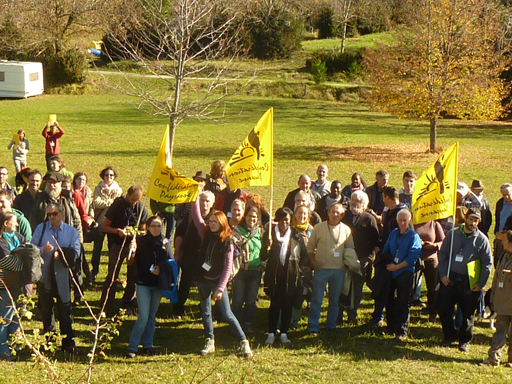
[213, 272]
[104, 195]
[246, 283]
[9, 240]
[287, 260]
[152, 249]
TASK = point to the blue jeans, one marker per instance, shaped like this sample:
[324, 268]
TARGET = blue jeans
[148, 300]
[246, 285]
[205, 296]
[322, 277]
[9, 323]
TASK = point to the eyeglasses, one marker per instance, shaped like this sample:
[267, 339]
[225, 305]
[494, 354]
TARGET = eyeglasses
[155, 226]
[50, 214]
[109, 175]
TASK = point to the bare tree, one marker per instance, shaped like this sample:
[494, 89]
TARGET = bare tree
[345, 11]
[178, 41]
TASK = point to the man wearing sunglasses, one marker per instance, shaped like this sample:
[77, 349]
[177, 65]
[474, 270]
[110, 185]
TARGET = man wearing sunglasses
[60, 249]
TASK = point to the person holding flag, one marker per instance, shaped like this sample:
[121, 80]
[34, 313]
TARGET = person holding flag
[465, 263]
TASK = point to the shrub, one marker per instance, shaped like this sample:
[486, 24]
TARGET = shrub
[275, 36]
[336, 61]
[319, 71]
[67, 66]
[325, 24]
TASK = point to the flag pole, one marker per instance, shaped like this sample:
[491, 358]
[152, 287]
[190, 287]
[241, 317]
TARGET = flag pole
[451, 249]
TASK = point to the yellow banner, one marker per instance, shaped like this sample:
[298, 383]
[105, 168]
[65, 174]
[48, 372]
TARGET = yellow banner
[167, 185]
[252, 162]
[435, 193]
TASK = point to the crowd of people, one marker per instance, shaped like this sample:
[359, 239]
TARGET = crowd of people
[325, 238]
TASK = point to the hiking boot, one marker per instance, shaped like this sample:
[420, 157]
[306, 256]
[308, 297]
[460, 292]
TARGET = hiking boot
[209, 347]
[283, 338]
[247, 328]
[245, 348]
[447, 342]
[131, 354]
[400, 339]
[489, 363]
[270, 339]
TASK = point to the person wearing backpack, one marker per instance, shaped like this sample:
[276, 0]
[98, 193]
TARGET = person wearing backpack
[213, 270]
[151, 249]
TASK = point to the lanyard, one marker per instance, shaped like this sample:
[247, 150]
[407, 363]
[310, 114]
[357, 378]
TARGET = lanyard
[336, 242]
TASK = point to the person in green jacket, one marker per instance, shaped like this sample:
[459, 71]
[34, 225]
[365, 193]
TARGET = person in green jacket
[246, 283]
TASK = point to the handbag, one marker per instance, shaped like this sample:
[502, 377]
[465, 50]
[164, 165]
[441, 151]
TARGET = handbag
[94, 233]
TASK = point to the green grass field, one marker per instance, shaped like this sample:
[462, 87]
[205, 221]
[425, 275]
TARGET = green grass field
[103, 128]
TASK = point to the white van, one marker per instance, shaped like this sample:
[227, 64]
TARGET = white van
[20, 79]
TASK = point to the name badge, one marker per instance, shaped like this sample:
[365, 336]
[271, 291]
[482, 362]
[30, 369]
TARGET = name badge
[396, 260]
[459, 258]
[206, 267]
[336, 254]
[500, 284]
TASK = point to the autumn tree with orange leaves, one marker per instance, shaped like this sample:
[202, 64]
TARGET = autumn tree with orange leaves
[447, 61]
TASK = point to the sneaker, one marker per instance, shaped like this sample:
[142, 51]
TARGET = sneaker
[489, 363]
[209, 347]
[270, 339]
[130, 355]
[508, 365]
[245, 348]
[464, 347]
[283, 338]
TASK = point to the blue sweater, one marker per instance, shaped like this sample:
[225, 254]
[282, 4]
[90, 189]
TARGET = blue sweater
[405, 247]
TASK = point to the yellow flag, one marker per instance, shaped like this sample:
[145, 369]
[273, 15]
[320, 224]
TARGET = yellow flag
[167, 185]
[251, 164]
[434, 195]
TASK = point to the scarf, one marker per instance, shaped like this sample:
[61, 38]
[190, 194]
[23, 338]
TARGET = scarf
[284, 241]
[302, 228]
[12, 240]
[108, 189]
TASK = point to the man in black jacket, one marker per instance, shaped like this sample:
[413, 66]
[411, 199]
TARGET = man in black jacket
[374, 192]
[365, 233]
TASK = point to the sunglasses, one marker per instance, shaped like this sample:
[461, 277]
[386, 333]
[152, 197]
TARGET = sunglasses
[50, 214]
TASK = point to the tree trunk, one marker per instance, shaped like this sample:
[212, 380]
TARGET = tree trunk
[172, 130]
[433, 133]
[343, 36]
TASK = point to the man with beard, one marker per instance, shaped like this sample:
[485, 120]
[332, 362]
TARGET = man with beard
[470, 247]
[365, 233]
[128, 211]
[25, 201]
[52, 193]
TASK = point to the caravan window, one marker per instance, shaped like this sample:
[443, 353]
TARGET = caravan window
[2, 76]
[34, 76]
